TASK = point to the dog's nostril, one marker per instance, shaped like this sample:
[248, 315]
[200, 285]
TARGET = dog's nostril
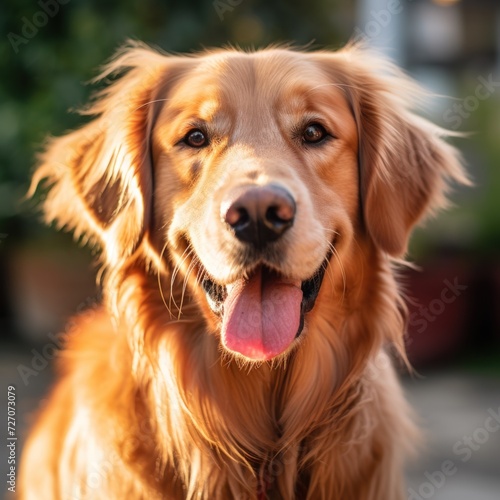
[279, 216]
[237, 217]
[243, 219]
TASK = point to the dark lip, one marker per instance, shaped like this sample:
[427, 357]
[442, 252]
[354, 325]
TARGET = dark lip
[216, 294]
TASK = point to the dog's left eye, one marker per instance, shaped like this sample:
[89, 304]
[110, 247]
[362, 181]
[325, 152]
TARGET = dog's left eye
[314, 133]
[196, 139]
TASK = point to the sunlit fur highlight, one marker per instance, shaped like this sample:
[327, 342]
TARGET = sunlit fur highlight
[148, 405]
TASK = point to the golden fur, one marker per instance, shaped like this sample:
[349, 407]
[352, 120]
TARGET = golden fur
[150, 405]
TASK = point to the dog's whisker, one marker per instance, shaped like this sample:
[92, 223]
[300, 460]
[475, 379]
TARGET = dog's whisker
[329, 271]
[328, 268]
[185, 281]
[201, 274]
[186, 254]
[342, 270]
[184, 284]
[341, 265]
[190, 268]
[159, 280]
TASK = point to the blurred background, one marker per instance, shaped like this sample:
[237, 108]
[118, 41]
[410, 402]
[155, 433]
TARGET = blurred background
[50, 48]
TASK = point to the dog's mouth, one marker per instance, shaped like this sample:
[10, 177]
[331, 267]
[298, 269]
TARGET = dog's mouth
[263, 314]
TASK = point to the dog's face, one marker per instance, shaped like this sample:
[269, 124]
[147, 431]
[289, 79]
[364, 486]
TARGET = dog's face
[247, 174]
[259, 156]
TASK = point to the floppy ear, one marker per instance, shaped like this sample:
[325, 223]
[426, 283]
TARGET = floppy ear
[101, 174]
[405, 165]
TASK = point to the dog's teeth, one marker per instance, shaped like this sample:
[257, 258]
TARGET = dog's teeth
[212, 303]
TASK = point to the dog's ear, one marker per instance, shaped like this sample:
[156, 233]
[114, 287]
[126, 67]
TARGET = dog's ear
[100, 176]
[405, 165]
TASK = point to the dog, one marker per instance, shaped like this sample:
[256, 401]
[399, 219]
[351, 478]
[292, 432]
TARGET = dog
[251, 209]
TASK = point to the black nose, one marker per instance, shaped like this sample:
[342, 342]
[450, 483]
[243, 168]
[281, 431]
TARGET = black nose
[259, 214]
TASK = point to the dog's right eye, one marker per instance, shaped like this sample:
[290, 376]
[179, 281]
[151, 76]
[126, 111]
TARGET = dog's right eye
[196, 139]
[314, 133]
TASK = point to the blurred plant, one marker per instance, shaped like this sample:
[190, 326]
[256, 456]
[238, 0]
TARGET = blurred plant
[473, 222]
[44, 78]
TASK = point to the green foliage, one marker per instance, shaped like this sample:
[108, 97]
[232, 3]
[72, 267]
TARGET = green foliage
[44, 68]
[44, 76]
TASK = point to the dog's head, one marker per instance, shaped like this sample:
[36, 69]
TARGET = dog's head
[248, 173]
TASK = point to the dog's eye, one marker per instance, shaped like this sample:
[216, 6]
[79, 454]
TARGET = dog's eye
[314, 133]
[196, 139]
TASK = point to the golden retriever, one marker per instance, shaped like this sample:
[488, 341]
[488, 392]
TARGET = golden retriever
[249, 208]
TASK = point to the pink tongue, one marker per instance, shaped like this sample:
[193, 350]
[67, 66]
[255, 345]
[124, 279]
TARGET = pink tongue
[261, 316]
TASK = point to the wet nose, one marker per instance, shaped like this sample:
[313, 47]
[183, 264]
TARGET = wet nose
[259, 215]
